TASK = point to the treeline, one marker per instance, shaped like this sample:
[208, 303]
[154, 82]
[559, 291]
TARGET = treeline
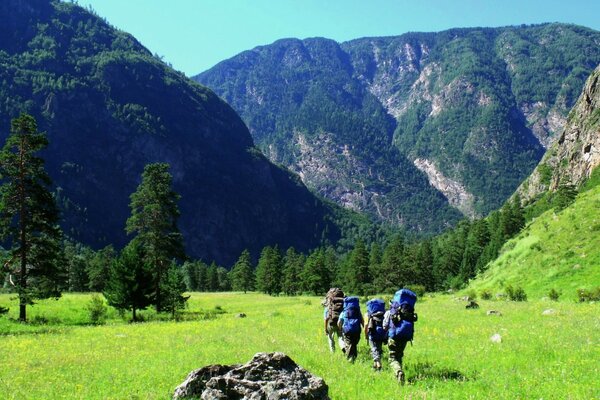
[153, 270]
[446, 261]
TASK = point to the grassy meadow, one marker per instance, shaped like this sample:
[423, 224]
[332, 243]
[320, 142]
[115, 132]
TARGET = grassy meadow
[558, 250]
[59, 356]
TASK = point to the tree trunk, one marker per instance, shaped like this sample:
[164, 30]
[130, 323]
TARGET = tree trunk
[22, 236]
[134, 316]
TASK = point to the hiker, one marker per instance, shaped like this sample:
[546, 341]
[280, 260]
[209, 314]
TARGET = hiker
[351, 322]
[374, 332]
[399, 324]
[334, 304]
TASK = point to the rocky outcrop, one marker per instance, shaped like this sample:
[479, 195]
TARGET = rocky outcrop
[271, 376]
[576, 153]
[454, 191]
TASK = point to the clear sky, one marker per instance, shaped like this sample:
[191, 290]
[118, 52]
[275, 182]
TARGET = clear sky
[194, 35]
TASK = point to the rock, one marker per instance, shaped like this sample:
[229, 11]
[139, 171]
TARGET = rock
[272, 376]
[472, 305]
[240, 315]
[496, 338]
[494, 312]
[549, 311]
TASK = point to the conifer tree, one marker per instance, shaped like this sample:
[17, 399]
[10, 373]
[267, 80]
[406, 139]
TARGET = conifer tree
[268, 271]
[98, 268]
[359, 275]
[242, 274]
[172, 289]
[29, 217]
[130, 285]
[153, 220]
[293, 262]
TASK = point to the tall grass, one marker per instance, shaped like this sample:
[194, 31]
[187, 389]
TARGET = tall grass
[452, 357]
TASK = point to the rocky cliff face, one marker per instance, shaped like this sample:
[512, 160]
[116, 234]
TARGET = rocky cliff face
[109, 107]
[576, 153]
[479, 105]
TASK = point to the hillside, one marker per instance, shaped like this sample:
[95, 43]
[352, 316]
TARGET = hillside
[415, 130]
[109, 107]
[560, 249]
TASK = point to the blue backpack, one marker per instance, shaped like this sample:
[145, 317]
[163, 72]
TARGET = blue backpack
[402, 315]
[353, 317]
[376, 312]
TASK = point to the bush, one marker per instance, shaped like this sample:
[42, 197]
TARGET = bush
[97, 310]
[472, 294]
[588, 295]
[516, 294]
[486, 294]
[553, 294]
[418, 289]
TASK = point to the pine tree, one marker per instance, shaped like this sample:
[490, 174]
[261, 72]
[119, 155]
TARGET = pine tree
[172, 289]
[130, 285]
[98, 268]
[242, 274]
[387, 278]
[29, 217]
[268, 271]
[360, 278]
[293, 262]
[153, 220]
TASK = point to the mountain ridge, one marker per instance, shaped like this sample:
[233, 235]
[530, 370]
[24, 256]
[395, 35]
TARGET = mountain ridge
[467, 103]
[109, 107]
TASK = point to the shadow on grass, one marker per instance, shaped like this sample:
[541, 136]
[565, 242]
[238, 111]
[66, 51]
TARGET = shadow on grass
[427, 370]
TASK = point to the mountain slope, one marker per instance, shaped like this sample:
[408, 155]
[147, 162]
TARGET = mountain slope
[470, 108]
[109, 107]
[559, 249]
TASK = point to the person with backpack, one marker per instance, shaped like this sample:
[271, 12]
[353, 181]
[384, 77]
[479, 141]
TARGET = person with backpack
[334, 305]
[374, 332]
[399, 323]
[351, 322]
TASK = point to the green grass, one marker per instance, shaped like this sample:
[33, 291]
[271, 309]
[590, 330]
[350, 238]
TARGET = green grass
[452, 357]
[557, 250]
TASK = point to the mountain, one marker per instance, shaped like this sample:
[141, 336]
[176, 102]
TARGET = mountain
[416, 130]
[109, 107]
[572, 158]
[559, 248]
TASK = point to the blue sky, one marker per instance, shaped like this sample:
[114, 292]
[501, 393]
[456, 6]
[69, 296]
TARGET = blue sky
[194, 35]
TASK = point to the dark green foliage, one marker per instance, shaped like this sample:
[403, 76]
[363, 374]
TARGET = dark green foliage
[516, 293]
[242, 273]
[554, 294]
[130, 283]
[564, 196]
[588, 294]
[465, 99]
[293, 263]
[486, 294]
[317, 273]
[172, 288]
[268, 270]
[29, 217]
[97, 310]
[154, 214]
[98, 268]
[359, 277]
[110, 108]
[78, 259]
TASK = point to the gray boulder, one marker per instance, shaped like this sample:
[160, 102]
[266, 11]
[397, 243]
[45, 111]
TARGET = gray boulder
[268, 376]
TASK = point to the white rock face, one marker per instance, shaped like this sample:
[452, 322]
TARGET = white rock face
[455, 192]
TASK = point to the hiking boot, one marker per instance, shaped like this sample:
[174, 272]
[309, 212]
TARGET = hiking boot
[400, 377]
